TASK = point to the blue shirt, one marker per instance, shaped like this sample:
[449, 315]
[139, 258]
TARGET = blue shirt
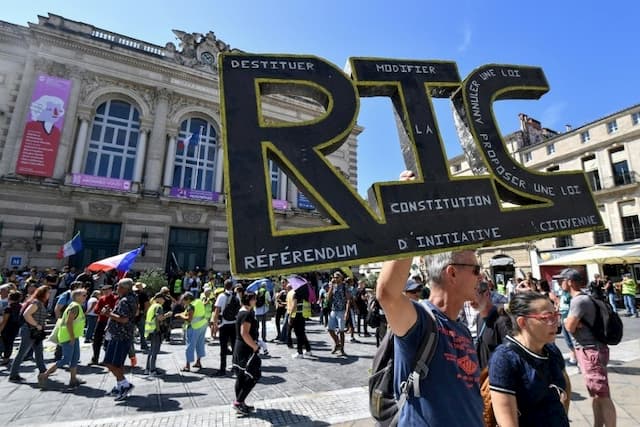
[537, 392]
[450, 393]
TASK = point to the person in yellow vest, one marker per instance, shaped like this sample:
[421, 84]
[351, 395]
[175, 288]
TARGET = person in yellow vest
[629, 289]
[152, 330]
[177, 286]
[208, 300]
[195, 327]
[299, 312]
[69, 334]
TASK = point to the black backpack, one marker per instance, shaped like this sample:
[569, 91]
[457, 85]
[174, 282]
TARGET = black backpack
[261, 298]
[231, 309]
[373, 314]
[382, 402]
[607, 327]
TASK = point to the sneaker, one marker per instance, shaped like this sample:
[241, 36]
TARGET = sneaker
[134, 361]
[249, 408]
[240, 408]
[125, 392]
[115, 391]
[308, 354]
[335, 349]
[16, 379]
[572, 362]
[296, 356]
[342, 353]
[367, 334]
[266, 353]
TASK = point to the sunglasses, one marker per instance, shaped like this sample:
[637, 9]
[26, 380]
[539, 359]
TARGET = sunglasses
[476, 267]
[548, 318]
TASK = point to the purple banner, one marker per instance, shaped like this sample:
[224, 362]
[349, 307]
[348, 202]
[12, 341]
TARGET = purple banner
[187, 193]
[43, 128]
[282, 205]
[101, 182]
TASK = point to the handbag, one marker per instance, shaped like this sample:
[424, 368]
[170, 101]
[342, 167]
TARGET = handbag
[54, 333]
[36, 334]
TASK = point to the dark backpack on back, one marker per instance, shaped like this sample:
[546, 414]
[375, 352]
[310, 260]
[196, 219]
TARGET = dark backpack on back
[231, 308]
[261, 298]
[382, 402]
[607, 327]
[373, 314]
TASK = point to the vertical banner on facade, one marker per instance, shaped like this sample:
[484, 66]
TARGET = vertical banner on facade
[44, 126]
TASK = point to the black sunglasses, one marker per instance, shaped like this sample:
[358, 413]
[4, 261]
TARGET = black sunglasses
[476, 267]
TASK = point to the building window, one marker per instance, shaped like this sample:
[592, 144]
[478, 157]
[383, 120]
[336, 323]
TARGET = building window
[275, 180]
[635, 118]
[601, 236]
[551, 148]
[555, 168]
[585, 137]
[630, 227]
[594, 180]
[612, 126]
[528, 157]
[621, 174]
[564, 241]
[114, 141]
[195, 162]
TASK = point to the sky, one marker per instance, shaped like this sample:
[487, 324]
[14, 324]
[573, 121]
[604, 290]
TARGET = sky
[590, 55]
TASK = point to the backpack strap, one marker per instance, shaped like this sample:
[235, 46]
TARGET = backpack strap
[425, 354]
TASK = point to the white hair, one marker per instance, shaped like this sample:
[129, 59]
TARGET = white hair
[40, 104]
[436, 263]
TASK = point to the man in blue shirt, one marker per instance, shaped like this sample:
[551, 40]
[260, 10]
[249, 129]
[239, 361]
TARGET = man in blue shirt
[450, 393]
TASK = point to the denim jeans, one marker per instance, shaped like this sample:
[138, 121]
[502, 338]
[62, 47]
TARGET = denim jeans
[70, 354]
[26, 344]
[155, 340]
[630, 304]
[612, 301]
[262, 322]
[140, 325]
[195, 343]
[91, 327]
[567, 336]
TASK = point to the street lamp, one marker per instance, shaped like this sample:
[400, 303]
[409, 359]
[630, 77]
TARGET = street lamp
[38, 230]
[144, 238]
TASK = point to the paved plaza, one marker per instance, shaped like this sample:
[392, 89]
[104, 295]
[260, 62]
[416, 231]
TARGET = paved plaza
[326, 390]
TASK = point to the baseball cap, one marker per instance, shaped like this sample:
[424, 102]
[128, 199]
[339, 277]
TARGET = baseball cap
[412, 285]
[569, 274]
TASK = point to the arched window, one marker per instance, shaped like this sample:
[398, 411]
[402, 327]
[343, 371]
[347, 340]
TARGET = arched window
[114, 141]
[195, 163]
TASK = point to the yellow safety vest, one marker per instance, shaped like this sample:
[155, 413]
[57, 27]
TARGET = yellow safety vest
[78, 324]
[628, 287]
[150, 320]
[198, 320]
[177, 286]
[304, 307]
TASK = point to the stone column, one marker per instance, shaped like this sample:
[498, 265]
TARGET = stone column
[157, 143]
[16, 127]
[283, 185]
[81, 144]
[170, 156]
[217, 187]
[66, 139]
[292, 196]
[140, 155]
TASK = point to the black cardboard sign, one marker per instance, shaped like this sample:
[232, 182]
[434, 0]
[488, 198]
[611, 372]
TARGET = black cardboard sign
[434, 213]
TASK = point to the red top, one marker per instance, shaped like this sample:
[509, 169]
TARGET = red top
[105, 301]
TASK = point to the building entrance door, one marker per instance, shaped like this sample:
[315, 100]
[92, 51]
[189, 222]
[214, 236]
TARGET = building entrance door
[99, 240]
[187, 249]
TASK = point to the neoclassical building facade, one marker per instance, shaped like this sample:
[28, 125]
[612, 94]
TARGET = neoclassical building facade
[133, 156]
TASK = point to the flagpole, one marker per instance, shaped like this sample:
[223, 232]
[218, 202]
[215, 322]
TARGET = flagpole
[198, 156]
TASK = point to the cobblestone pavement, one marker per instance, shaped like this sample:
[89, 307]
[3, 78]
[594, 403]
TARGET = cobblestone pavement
[322, 391]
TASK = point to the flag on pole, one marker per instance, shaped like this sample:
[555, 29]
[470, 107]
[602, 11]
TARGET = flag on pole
[72, 247]
[121, 262]
[190, 139]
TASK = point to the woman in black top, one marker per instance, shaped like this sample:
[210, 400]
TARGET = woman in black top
[245, 353]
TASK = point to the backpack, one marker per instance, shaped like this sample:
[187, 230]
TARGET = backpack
[607, 326]
[231, 309]
[382, 402]
[373, 314]
[261, 299]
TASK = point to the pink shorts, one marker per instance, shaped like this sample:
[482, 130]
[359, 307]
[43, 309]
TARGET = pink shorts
[593, 364]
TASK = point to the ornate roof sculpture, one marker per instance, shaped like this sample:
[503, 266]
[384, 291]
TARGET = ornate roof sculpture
[196, 50]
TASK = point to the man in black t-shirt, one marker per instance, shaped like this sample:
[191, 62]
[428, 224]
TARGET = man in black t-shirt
[361, 305]
[596, 287]
[143, 306]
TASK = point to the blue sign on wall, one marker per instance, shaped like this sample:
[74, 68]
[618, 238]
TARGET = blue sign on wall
[16, 261]
[304, 203]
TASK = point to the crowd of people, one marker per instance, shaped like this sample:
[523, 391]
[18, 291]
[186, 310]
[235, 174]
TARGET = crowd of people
[496, 339]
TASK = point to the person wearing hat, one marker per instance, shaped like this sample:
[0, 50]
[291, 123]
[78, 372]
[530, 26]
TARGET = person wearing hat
[592, 355]
[413, 290]
[629, 289]
[195, 328]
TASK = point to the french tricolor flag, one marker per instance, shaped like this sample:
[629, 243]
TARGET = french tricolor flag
[72, 247]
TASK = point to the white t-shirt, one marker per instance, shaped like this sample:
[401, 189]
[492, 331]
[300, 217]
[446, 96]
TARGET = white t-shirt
[90, 305]
[221, 302]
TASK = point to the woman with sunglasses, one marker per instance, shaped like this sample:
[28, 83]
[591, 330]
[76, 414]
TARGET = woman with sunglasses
[528, 384]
